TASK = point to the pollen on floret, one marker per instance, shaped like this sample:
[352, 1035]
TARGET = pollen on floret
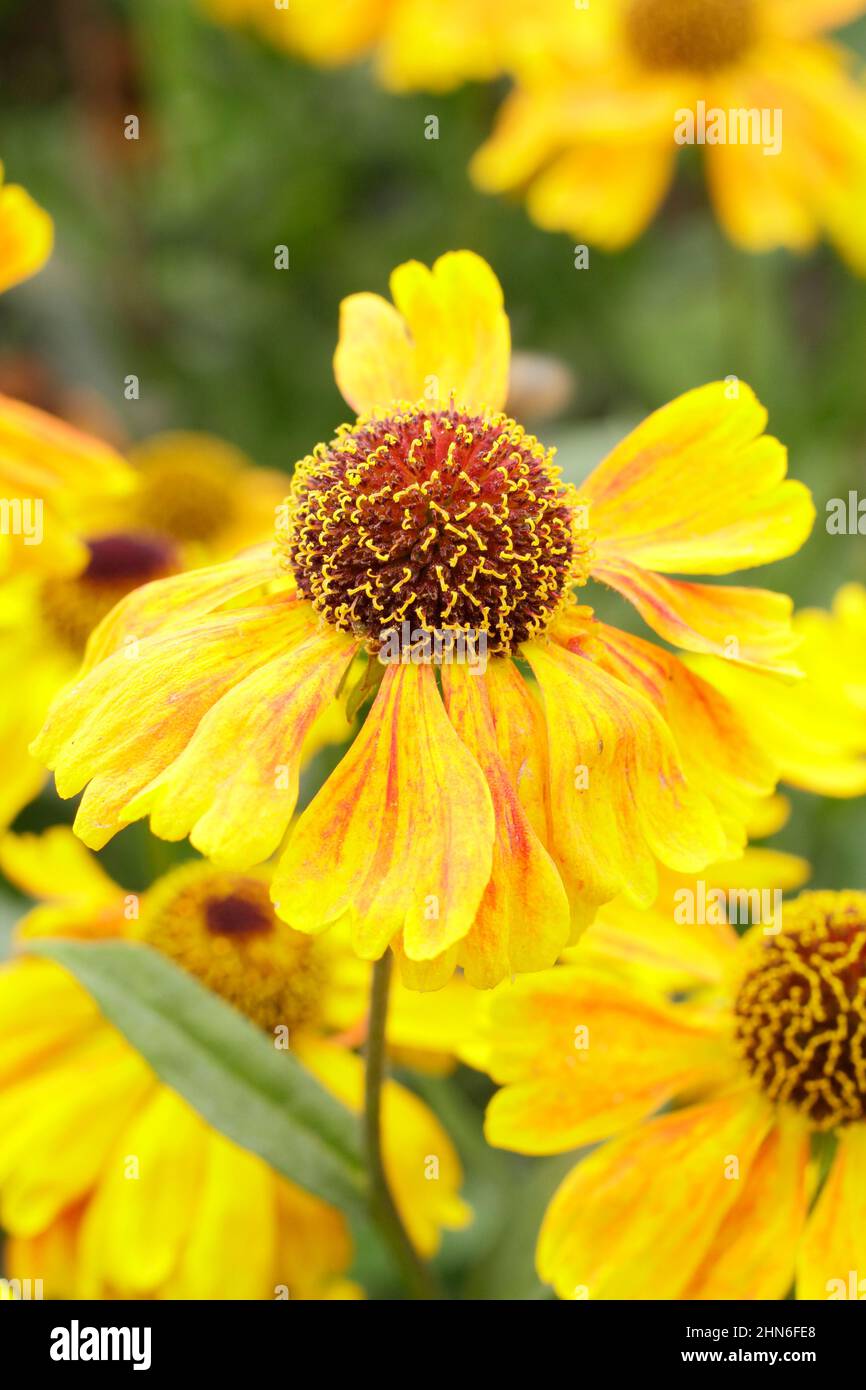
[446, 519]
[689, 35]
[801, 1010]
[220, 925]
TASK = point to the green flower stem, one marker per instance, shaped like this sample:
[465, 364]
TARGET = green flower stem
[418, 1276]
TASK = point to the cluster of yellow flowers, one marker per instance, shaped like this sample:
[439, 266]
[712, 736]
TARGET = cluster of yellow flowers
[529, 835]
[605, 93]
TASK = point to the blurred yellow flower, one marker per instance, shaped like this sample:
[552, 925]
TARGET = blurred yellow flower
[482, 829]
[183, 498]
[432, 44]
[606, 94]
[752, 1051]
[26, 235]
[204, 1218]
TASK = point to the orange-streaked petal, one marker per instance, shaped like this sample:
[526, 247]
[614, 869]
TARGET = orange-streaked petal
[454, 338]
[523, 921]
[748, 625]
[720, 754]
[400, 838]
[637, 1218]
[755, 1249]
[833, 1254]
[617, 786]
[698, 488]
[581, 1055]
[121, 725]
[521, 736]
[234, 787]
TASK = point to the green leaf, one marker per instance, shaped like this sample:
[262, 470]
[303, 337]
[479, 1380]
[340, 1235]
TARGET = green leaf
[222, 1065]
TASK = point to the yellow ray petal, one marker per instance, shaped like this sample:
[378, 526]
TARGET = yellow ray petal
[26, 235]
[523, 919]
[748, 625]
[698, 488]
[234, 787]
[448, 335]
[401, 835]
[834, 1246]
[55, 866]
[617, 785]
[581, 1056]
[636, 1219]
[754, 1250]
[131, 716]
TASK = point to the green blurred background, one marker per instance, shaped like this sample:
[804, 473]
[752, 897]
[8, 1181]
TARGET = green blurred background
[164, 267]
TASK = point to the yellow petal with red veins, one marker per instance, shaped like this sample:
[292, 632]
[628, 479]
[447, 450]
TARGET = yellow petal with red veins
[121, 725]
[580, 1056]
[636, 1219]
[421, 1163]
[448, 336]
[754, 1250]
[234, 787]
[617, 786]
[748, 625]
[26, 235]
[720, 754]
[400, 837]
[523, 921]
[698, 488]
[521, 736]
[834, 1247]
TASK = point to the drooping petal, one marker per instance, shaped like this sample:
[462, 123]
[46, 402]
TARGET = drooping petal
[400, 837]
[581, 1056]
[121, 725]
[521, 736]
[718, 748]
[833, 1253]
[448, 335]
[617, 786]
[523, 920]
[606, 192]
[754, 1250]
[698, 488]
[234, 787]
[748, 625]
[637, 1218]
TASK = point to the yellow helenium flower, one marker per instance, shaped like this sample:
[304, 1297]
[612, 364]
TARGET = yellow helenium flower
[484, 825]
[26, 235]
[433, 44]
[590, 131]
[203, 1218]
[187, 498]
[757, 1044]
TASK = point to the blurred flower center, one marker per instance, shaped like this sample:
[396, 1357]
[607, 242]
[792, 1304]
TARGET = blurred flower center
[221, 927]
[801, 1011]
[696, 35]
[189, 488]
[119, 563]
[441, 519]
